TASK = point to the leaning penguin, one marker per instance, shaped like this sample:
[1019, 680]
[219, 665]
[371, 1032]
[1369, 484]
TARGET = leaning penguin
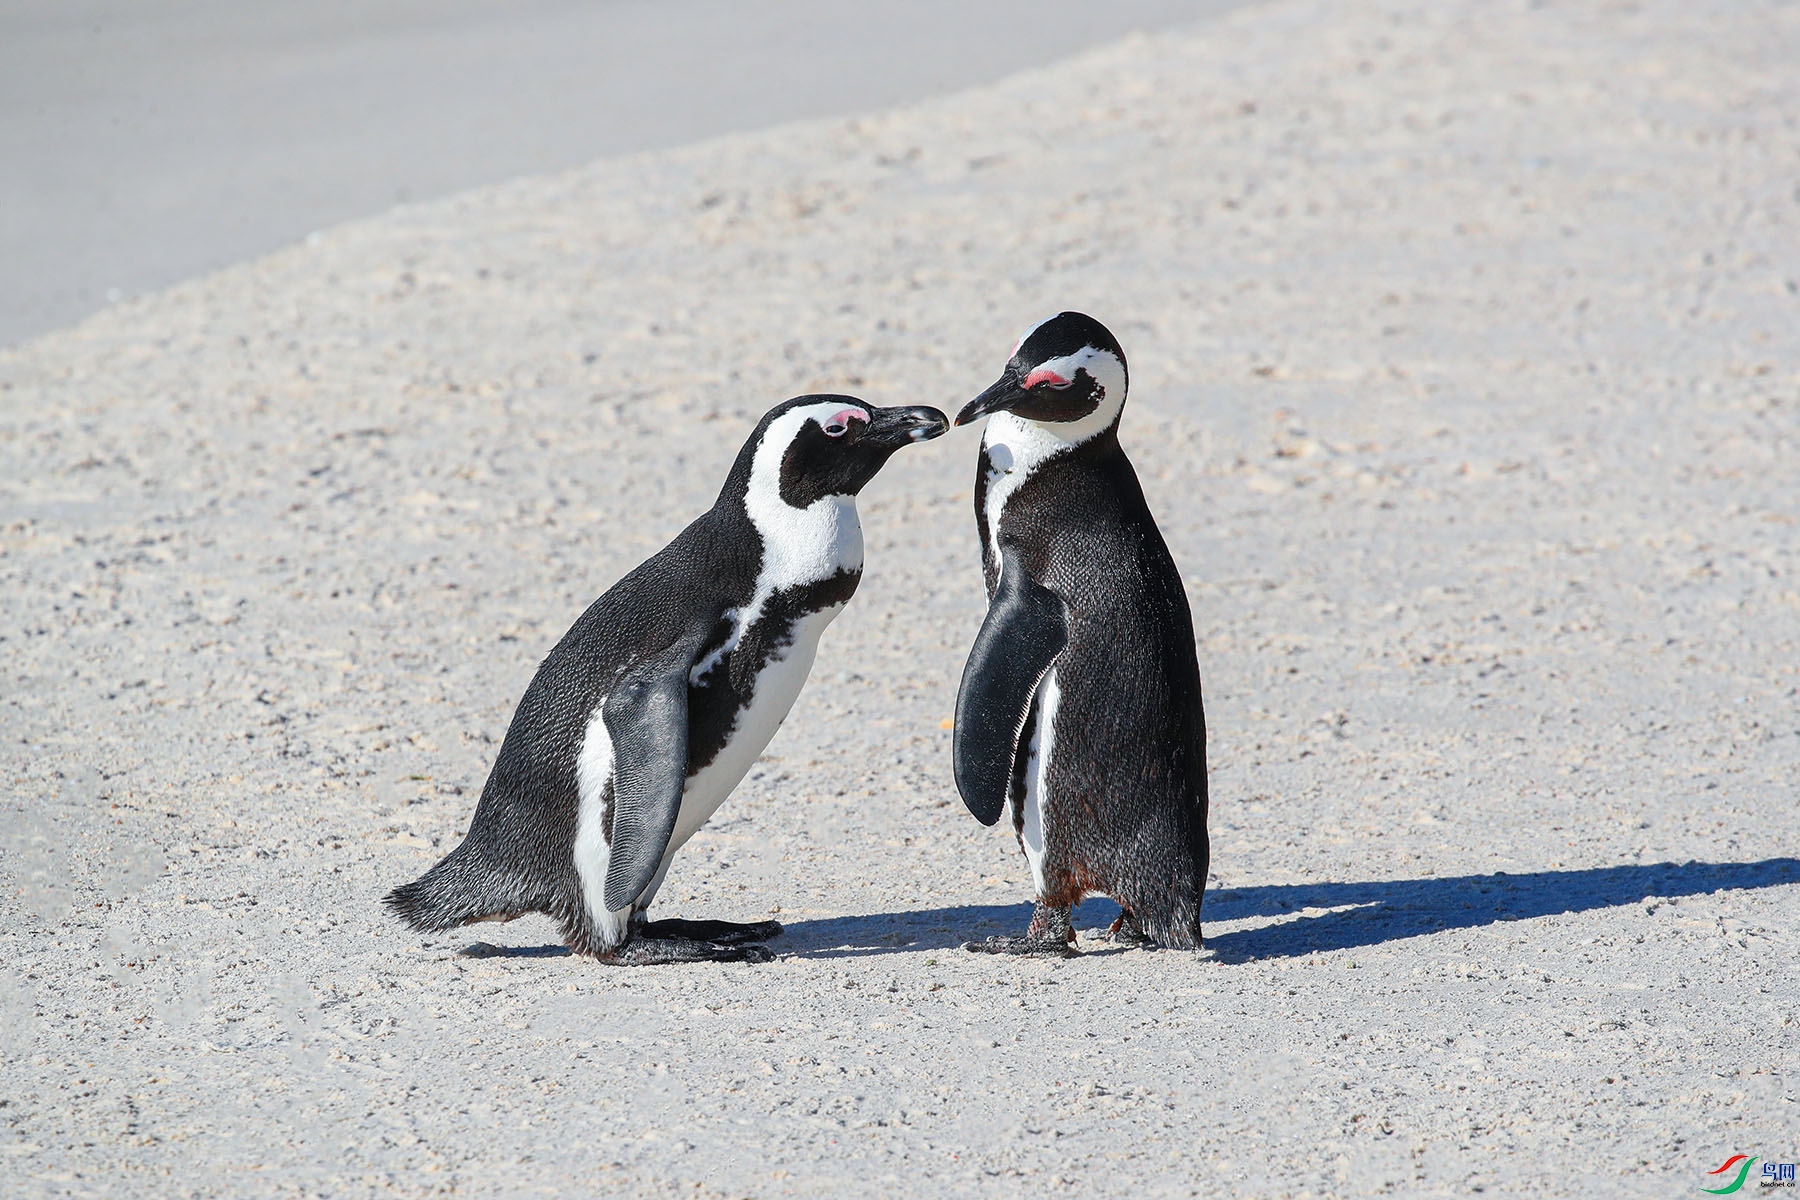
[656, 702]
[1080, 702]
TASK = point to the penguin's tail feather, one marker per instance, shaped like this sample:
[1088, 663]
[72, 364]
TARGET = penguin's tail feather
[1170, 918]
[462, 888]
[1181, 934]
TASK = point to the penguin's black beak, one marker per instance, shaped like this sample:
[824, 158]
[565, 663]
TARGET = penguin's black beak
[900, 426]
[1005, 393]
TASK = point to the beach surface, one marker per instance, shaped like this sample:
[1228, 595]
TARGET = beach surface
[147, 143]
[1466, 388]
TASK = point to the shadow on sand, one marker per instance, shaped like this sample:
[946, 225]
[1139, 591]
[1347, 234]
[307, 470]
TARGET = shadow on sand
[1356, 914]
[1361, 914]
[489, 950]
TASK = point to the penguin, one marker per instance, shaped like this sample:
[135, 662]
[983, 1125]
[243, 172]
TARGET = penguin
[1080, 702]
[655, 703]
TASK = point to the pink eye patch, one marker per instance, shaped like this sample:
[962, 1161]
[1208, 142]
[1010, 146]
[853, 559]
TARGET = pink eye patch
[840, 421]
[1044, 375]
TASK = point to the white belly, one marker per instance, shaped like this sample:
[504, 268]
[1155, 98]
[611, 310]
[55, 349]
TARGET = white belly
[1037, 778]
[777, 687]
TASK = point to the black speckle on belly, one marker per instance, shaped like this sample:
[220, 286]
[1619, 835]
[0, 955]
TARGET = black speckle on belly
[715, 702]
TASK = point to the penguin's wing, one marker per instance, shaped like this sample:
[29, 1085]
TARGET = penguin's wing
[646, 717]
[1026, 628]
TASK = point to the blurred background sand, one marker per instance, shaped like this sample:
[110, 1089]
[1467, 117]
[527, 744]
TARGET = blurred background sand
[144, 143]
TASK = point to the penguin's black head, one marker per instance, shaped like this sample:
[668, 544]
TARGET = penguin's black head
[1067, 369]
[811, 447]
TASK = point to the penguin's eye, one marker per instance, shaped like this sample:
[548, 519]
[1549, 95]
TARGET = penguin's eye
[841, 423]
[1043, 377]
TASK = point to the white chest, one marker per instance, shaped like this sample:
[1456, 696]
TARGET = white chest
[1015, 448]
[801, 545]
[777, 686]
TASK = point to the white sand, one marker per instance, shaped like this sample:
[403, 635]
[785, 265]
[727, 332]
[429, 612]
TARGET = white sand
[142, 143]
[1465, 387]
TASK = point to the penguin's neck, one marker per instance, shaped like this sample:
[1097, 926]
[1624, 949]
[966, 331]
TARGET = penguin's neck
[802, 548]
[1016, 449]
[1019, 446]
[799, 545]
[803, 545]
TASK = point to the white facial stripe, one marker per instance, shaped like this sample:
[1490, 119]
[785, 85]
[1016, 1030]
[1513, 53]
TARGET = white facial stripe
[1031, 442]
[800, 545]
[784, 429]
[765, 467]
[1103, 365]
[1017, 446]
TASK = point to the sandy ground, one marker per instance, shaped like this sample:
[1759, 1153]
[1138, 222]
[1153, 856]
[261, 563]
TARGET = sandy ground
[141, 144]
[1465, 387]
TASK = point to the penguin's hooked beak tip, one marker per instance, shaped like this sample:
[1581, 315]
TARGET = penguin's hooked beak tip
[907, 425]
[938, 427]
[1005, 393]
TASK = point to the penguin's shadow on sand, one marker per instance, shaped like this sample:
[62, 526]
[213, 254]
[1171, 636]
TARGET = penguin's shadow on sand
[1315, 916]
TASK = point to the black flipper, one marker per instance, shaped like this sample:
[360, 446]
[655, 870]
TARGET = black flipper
[646, 716]
[1026, 628]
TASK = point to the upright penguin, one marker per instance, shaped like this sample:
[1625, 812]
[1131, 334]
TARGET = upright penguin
[1081, 698]
[654, 704]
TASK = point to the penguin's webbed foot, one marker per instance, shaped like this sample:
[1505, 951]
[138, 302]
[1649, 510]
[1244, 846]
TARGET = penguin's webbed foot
[655, 951]
[1050, 933]
[1027, 945]
[725, 933]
